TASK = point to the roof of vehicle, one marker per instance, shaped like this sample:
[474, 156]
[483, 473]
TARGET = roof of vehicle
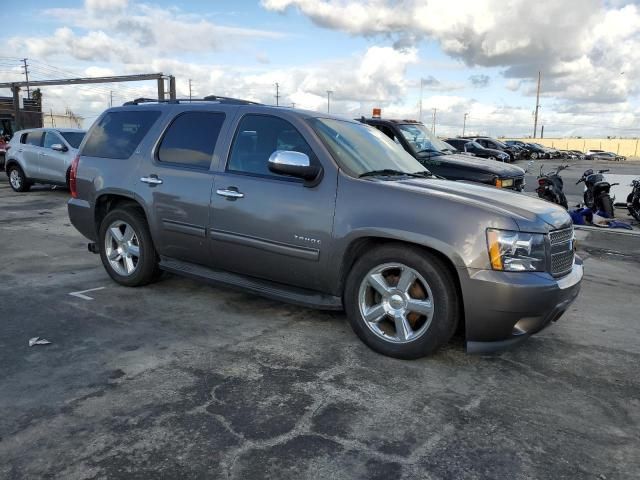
[388, 120]
[45, 129]
[210, 102]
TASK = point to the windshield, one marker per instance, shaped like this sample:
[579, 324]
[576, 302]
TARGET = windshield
[501, 144]
[422, 139]
[73, 138]
[360, 149]
[474, 144]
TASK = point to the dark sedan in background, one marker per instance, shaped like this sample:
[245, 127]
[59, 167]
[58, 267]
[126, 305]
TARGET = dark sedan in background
[442, 159]
[469, 146]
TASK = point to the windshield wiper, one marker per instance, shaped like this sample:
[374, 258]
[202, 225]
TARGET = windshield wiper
[391, 172]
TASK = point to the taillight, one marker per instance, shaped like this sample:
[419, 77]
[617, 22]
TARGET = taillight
[541, 181]
[73, 175]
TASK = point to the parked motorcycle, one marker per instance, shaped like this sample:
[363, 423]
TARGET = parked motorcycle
[550, 186]
[633, 200]
[596, 192]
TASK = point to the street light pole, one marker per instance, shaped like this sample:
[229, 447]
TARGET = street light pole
[277, 94]
[464, 123]
[329, 92]
[433, 122]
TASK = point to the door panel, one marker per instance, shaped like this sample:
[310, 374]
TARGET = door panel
[31, 154]
[178, 184]
[52, 162]
[272, 226]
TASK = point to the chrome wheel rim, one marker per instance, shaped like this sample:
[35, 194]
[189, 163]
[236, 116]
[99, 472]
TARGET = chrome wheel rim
[14, 178]
[396, 303]
[122, 248]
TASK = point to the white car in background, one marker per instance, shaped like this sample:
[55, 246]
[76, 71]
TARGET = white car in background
[41, 155]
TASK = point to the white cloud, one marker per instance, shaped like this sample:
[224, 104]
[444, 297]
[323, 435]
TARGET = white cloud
[581, 46]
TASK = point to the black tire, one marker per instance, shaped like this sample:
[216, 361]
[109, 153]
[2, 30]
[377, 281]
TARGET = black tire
[147, 269]
[491, 158]
[533, 156]
[562, 201]
[588, 199]
[633, 206]
[21, 182]
[446, 311]
[67, 178]
[606, 205]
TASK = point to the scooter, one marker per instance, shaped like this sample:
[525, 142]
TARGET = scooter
[596, 192]
[633, 200]
[550, 186]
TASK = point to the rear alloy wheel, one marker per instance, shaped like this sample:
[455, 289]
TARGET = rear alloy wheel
[127, 251]
[18, 180]
[534, 156]
[401, 301]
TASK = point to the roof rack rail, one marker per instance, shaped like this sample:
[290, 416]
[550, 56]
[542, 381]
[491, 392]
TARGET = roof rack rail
[209, 98]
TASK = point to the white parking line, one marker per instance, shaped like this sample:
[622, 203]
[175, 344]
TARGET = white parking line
[85, 297]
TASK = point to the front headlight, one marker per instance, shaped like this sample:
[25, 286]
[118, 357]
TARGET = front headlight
[516, 251]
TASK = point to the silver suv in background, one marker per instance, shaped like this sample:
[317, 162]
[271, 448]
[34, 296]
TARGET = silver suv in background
[41, 155]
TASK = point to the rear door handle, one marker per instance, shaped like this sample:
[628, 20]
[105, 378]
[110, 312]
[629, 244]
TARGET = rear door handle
[230, 193]
[151, 180]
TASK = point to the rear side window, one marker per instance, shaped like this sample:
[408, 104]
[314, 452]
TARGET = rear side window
[34, 138]
[118, 134]
[191, 139]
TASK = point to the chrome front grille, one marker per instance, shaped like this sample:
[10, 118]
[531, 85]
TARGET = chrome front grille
[562, 254]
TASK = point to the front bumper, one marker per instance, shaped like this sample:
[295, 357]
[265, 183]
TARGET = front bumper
[504, 308]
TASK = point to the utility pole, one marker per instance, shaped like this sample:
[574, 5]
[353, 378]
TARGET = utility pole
[26, 75]
[293, 104]
[110, 98]
[433, 121]
[464, 123]
[277, 94]
[189, 89]
[329, 92]
[535, 120]
[53, 123]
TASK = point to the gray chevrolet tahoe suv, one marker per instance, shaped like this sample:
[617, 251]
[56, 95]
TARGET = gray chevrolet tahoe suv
[320, 211]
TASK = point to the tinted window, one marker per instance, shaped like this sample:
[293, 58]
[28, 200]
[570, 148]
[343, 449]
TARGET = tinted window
[51, 138]
[258, 136]
[34, 138]
[191, 139]
[118, 134]
[23, 138]
[73, 138]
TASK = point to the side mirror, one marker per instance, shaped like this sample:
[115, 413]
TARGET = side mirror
[296, 164]
[58, 147]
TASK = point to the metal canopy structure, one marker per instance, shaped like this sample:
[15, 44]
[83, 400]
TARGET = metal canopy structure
[159, 77]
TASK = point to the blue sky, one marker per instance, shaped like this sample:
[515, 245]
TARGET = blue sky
[472, 56]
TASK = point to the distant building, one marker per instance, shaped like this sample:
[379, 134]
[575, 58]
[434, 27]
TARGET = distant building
[69, 119]
[30, 114]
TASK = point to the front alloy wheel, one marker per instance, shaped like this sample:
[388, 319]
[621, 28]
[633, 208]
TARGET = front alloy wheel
[396, 303]
[122, 248]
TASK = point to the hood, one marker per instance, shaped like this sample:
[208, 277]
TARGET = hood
[530, 213]
[497, 168]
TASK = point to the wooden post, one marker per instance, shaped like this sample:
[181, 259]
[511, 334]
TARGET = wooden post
[161, 89]
[16, 107]
[172, 87]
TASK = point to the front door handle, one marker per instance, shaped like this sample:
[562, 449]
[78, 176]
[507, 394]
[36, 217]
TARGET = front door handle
[151, 180]
[230, 193]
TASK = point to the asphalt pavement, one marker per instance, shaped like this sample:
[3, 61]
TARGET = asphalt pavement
[184, 380]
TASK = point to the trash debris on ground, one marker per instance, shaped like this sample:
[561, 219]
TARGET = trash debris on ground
[38, 341]
[585, 216]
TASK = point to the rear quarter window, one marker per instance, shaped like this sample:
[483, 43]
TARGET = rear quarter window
[118, 134]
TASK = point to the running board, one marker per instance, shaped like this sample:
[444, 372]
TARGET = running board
[276, 291]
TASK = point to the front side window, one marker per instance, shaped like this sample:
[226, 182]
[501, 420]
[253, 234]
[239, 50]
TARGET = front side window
[421, 139]
[119, 133]
[34, 138]
[191, 139]
[51, 138]
[360, 149]
[257, 137]
[74, 138]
